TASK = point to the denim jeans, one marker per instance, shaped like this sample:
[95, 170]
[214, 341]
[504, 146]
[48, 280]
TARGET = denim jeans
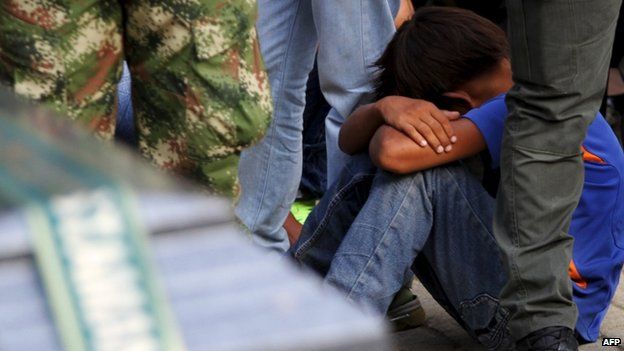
[314, 172]
[125, 130]
[350, 36]
[373, 227]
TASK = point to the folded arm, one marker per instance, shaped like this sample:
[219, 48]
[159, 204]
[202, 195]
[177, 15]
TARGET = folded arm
[359, 129]
[395, 152]
[418, 119]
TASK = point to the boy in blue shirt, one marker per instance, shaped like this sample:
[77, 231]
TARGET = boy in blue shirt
[418, 208]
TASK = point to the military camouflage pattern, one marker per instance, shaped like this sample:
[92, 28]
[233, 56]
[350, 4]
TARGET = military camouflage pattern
[200, 93]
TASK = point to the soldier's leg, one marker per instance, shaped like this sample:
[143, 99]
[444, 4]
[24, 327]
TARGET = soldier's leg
[64, 53]
[560, 56]
[200, 93]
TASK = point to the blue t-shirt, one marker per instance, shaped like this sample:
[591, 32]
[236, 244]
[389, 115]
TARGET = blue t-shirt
[597, 223]
[604, 165]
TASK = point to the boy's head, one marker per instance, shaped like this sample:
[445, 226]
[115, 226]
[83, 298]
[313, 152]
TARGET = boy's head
[437, 51]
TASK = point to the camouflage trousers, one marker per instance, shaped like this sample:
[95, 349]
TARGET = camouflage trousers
[199, 90]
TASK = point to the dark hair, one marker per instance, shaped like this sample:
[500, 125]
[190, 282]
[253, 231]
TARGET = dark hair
[436, 51]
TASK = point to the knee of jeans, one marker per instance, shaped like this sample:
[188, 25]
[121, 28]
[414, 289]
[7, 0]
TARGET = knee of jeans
[455, 174]
[428, 177]
[487, 320]
[391, 184]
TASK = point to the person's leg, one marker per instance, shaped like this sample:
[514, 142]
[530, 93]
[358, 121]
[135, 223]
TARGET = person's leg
[460, 264]
[352, 35]
[332, 217]
[560, 55]
[314, 176]
[200, 93]
[66, 54]
[271, 170]
[401, 214]
[442, 218]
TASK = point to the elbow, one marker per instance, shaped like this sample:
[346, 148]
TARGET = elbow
[345, 146]
[385, 155]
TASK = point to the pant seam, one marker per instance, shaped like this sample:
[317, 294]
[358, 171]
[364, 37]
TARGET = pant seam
[515, 236]
[362, 39]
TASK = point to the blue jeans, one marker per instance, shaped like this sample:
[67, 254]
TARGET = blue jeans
[125, 130]
[314, 172]
[373, 227]
[350, 35]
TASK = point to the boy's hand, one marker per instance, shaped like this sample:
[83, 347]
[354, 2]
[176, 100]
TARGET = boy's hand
[420, 120]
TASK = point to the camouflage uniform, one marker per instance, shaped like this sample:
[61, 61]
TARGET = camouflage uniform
[199, 89]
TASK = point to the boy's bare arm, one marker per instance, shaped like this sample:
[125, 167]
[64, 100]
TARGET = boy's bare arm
[395, 152]
[359, 128]
[418, 119]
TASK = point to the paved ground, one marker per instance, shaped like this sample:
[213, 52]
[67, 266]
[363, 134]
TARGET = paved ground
[442, 333]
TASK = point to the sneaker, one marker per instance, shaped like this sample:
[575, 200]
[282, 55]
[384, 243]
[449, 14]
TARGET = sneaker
[405, 311]
[549, 339]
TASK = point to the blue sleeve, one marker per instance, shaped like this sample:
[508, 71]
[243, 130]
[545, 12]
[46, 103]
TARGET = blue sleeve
[490, 119]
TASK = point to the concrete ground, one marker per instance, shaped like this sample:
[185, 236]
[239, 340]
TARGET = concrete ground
[442, 333]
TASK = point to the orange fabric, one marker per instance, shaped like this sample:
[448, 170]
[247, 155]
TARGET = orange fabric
[588, 156]
[576, 276]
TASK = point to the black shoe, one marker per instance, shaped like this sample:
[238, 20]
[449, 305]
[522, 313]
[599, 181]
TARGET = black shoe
[580, 339]
[405, 311]
[549, 339]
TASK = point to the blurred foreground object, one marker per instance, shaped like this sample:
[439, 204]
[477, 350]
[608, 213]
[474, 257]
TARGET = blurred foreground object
[79, 210]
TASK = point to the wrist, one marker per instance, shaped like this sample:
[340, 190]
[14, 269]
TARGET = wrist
[379, 107]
